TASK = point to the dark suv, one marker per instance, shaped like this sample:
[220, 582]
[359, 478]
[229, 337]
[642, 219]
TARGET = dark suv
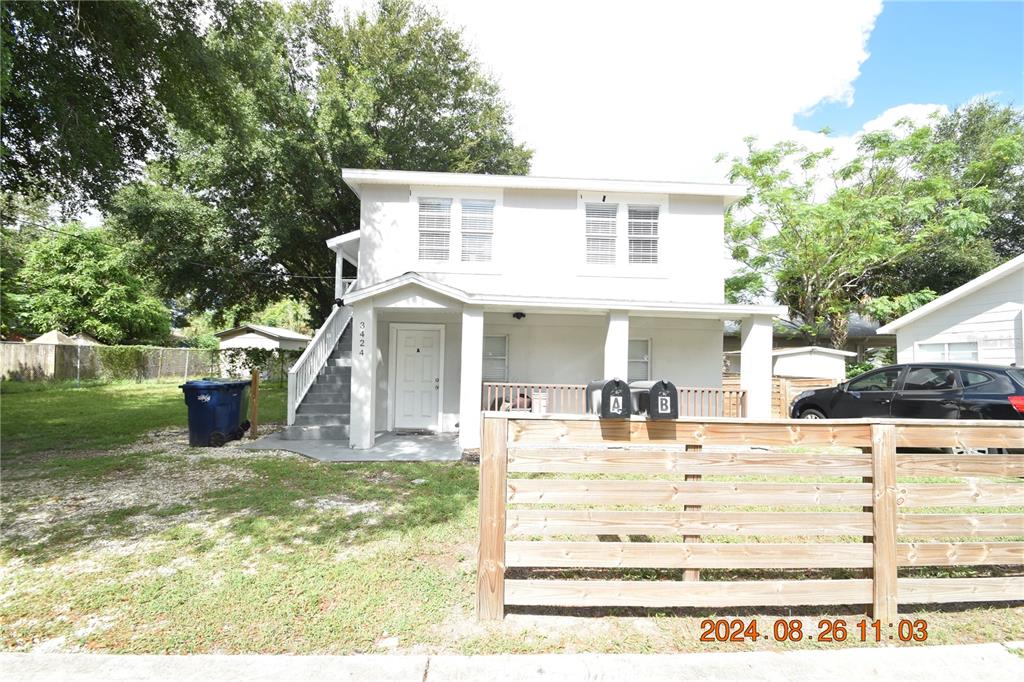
[920, 391]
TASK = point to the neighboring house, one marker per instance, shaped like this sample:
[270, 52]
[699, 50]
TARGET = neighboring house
[513, 280]
[54, 337]
[813, 362]
[83, 339]
[980, 321]
[261, 336]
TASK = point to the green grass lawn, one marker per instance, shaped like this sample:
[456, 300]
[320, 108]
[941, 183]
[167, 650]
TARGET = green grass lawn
[37, 417]
[118, 537]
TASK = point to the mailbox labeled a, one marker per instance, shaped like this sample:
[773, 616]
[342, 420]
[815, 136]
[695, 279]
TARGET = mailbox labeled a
[610, 398]
[663, 401]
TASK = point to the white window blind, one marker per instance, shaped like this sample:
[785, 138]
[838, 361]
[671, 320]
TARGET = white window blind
[639, 360]
[495, 358]
[643, 234]
[600, 231]
[435, 224]
[477, 229]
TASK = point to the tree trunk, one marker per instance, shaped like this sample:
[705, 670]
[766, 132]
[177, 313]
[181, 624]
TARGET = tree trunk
[839, 330]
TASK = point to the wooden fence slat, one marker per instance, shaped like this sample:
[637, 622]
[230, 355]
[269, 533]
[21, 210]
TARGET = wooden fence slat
[945, 590]
[883, 517]
[951, 436]
[671, 593]
[490, 583]
[968, 525]
[653, 491]
[969, 493]
[556, 431]
[547, 522]
[959, 553]
[621, 461]
[685, 555]
[960, 465]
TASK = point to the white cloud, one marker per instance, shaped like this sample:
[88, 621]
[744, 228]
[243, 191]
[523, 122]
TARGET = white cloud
[656, 89]
[920, 114]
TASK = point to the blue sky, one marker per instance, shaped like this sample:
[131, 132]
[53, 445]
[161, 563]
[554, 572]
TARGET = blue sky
[935, 53]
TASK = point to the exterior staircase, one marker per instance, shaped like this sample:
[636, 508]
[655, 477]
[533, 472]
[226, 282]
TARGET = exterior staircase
[323, 413]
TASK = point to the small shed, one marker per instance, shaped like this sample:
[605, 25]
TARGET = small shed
[812, 362]
[83, 339]
[262, 336]
[54, 337]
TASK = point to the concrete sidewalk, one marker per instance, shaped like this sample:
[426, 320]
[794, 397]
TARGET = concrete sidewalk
[988, 662]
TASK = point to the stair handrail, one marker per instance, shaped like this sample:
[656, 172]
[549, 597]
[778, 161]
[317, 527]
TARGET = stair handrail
[303, 373]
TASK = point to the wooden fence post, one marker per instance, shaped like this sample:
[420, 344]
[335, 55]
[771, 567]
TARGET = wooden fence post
[490, 572]
[691, 574]
[254, 405]
[883, 517]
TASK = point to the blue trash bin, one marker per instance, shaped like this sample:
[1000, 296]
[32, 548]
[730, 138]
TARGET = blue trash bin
[216, 411]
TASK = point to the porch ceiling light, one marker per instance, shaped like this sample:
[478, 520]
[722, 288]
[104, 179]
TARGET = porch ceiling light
[519, 315]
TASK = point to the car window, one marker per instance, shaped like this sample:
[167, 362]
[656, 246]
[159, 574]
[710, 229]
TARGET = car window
[1017, 374]
[974, 378]
[883, 380]
[929, 379]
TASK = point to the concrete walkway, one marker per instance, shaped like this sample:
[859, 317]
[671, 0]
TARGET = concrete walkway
[988, 662]
[389, 447]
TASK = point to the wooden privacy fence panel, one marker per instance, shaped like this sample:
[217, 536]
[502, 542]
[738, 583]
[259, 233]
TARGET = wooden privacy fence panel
[570, 399]
[784, 390]
[560, 494]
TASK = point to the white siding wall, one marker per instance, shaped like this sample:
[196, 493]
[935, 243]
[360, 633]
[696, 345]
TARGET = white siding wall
[538, 247]
[813, 365]
[989, 314]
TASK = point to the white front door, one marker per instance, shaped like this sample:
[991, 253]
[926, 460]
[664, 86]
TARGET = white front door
[417, 378]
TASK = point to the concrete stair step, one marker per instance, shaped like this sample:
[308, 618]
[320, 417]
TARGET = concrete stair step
[296, 432]
[321, 419]
[324, 408]
[329, 386]
[332, 398]
[334, 370]
[340, 362]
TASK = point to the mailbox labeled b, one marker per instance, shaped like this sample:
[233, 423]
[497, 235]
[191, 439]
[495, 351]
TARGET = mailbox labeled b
[664, 401]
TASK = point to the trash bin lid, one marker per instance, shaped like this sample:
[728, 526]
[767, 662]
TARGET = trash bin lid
[213, 384]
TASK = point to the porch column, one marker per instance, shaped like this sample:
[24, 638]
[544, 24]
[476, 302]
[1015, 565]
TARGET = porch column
[756, 365]
[472, 376]
[616, 346]
[339, 288]
[364, 375]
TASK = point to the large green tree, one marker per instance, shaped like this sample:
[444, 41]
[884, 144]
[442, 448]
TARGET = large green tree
[818, 232]
[239, 217]
[80, 280]
[86, 89]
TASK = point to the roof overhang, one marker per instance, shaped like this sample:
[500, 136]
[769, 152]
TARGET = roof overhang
[992, 275]
[817, 350]
[715, 311]
[347, 245]
[356, 178]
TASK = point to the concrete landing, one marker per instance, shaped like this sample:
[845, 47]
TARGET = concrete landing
[390, 447]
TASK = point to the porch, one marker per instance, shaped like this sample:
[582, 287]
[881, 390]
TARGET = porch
[694, 401]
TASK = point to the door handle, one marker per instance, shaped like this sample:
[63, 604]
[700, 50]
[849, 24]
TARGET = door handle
[948, 403]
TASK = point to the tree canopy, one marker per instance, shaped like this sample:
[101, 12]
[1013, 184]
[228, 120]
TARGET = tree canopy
[831, 238]
[81, 280]
[239, 217]
[87, 88]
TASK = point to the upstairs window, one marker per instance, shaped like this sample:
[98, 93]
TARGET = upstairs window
[600, 233]
[643, 234]
[435, 222]
[477, 229]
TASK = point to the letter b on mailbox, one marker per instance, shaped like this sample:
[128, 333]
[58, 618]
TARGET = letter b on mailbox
[664, 401]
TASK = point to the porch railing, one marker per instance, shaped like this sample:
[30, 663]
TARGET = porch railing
[694, 401]
[305, 370]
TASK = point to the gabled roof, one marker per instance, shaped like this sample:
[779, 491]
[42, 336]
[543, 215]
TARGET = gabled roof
[814, 349]
[707, 310]
[54, 337]
[356, 178]
[1010, 266]
[278, 333]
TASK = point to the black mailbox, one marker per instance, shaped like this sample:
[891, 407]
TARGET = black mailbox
[609, 398]
[655, 399]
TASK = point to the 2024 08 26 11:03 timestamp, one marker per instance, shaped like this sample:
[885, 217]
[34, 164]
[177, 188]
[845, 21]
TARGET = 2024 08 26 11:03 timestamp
[829, 630]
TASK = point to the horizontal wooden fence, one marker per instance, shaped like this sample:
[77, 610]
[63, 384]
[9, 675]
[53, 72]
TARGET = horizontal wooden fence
[694, 401]
[561, 495]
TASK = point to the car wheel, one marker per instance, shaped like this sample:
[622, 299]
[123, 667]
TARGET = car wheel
[812, 413]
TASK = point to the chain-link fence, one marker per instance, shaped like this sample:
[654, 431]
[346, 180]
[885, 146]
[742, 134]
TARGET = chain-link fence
[46, 362]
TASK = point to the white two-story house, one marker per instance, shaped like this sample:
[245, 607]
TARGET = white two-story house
[512, 292]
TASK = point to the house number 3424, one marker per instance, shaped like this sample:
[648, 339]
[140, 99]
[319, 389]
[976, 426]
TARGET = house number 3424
[362, 338]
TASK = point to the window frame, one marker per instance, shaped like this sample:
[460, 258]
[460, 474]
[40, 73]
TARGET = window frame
[896, 385]
[957, 384]
[650, 358]
[463, 231]
[505, 358]
[457, 195]
[420, 231]
[655, 237]
[622, 267]
[918, 349]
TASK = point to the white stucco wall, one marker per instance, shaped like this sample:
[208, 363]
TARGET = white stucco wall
[813, 364]
[254, 340]
[991, 315]
[539, 246]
